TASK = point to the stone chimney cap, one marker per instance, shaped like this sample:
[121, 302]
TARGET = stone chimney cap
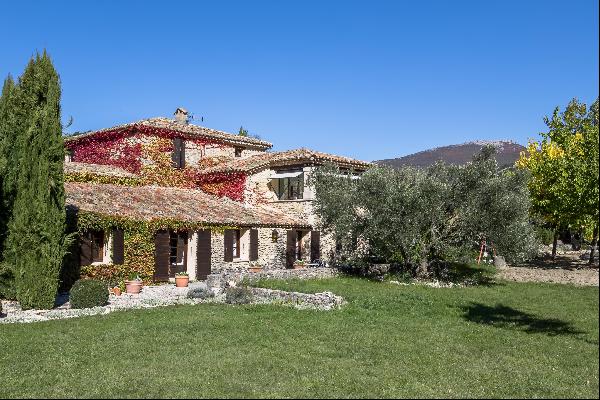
[180, 110]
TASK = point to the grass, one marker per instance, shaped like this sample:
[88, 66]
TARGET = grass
[496, 340]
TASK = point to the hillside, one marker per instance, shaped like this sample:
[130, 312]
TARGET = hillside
[508, 153]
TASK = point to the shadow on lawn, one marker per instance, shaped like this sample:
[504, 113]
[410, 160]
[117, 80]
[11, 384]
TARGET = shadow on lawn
[472, 274]
[502, 316]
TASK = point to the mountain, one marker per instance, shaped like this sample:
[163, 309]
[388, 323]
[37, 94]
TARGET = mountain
[508, 153]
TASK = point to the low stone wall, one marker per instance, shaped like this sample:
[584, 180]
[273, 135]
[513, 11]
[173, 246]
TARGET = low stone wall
[218, 282]
[318, 301]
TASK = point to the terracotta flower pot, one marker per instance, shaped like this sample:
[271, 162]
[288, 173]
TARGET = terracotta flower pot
[116, 291]
[182, 280]
[133, 287]
[299, 266]
[255, 269]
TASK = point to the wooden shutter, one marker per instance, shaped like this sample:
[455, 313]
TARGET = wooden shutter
[253, 244]
[315, 245]
[85, 246]
[203, 255]
[290, 250]
[178, 155]
[228, 236]
[182, 153]
[118, 243]
[161, 256]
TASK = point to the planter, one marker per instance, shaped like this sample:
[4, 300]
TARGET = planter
[299, 266]
[133, 287]
[255, 269]
[182, 281]
[116, 291]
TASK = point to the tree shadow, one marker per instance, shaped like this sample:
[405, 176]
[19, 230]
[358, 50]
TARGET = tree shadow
[505, 317]
[472, 274]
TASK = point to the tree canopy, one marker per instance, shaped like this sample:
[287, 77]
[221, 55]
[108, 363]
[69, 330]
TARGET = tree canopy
[564, 170]
[420, 217]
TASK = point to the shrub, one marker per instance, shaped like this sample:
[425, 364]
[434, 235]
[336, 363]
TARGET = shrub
[87, 293]
[238, 295]
[200, 293]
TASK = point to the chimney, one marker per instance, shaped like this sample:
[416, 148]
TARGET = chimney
[181, 115]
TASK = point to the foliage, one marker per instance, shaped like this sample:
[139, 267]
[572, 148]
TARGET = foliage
[89, 177]
[424, 218]
[9, 161]
[200, 293]
[243, 132]
[87, 293]
[36, 242]
[111, 274]
[238, 295]
[138, 244]
[564, 169]
[152, 162]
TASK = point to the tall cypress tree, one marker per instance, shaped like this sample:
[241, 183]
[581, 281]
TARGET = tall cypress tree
[36, 242]
[7, 138]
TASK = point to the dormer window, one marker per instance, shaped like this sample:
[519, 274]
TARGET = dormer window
[178, 155]
[238, 151]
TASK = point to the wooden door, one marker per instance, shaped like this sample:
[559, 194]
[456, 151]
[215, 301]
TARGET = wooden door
[161, 256]
[290, 249]
[203, 255]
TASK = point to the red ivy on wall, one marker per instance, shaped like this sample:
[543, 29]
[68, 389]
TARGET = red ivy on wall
[121, 148]
[230, 184]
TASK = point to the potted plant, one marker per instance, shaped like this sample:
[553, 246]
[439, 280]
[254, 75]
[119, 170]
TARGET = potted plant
[182, 279]
[298, 264]
[254, 267]
[134, 284]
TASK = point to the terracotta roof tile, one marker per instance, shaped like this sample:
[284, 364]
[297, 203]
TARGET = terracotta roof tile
[148, 203]
[186, 129]
[283, 158]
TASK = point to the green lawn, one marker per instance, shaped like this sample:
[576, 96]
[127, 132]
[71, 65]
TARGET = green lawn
[502, 340]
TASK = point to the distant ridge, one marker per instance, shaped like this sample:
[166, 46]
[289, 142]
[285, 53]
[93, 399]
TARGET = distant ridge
[508, 153]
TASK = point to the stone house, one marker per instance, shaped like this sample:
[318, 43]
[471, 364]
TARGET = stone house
[214, 201]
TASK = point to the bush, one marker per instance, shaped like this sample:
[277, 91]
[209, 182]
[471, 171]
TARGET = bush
[238, 295]
[200, 293]
[87, 293]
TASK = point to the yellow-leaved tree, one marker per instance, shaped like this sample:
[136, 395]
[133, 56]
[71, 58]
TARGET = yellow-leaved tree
[564, 171]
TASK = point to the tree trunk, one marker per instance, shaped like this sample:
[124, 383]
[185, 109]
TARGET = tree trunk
[554, 243]
[594, 242]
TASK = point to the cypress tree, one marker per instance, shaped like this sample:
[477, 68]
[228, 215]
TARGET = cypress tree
[7, 137]
[36, 242]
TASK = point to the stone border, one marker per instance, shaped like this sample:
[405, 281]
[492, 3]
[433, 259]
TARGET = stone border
[319, 301]
[168, 295]
[218, 282]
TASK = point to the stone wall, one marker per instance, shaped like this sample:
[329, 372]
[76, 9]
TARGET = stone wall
[219, 281]
[316, 301]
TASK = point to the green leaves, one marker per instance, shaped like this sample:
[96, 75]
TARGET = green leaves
[411, 216]
[33, 188]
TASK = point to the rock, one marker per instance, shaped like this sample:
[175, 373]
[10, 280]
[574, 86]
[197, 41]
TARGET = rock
[500, 262]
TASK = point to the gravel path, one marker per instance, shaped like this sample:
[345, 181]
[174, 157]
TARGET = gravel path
[581, 277]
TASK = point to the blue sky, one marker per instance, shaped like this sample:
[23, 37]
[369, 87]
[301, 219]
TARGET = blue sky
[371, 79]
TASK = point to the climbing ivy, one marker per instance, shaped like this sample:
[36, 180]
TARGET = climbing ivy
[139, 243]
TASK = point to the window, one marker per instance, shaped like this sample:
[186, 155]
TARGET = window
[238, 152]
[97, 244]
[177, 243]
[291, 188]
[236, 243]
